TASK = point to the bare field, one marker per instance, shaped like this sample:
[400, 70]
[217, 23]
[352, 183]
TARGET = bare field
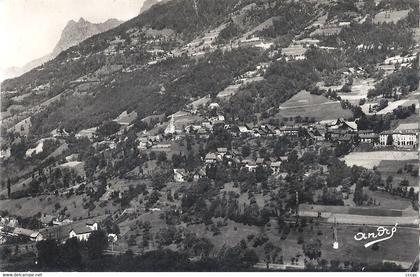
[371, 159]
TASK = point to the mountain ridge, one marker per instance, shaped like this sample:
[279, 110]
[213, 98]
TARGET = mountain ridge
[149, 3]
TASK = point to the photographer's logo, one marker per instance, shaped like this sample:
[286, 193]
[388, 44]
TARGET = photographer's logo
[382, 233]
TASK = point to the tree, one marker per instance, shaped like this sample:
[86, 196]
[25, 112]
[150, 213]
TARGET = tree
[312, 249]
[48, 254]
[245, 151]
[389, 140]
[8, 187]
[108, 128]
[70, 256]
[389, 180]
[96, 244]
[18, 150]
[161, 157]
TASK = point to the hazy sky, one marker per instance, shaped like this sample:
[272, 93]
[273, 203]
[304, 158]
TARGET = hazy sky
[30, 29]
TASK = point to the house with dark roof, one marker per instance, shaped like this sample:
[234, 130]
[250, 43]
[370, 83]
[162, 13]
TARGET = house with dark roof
[369, 138]
[82, 232]
[20, 232]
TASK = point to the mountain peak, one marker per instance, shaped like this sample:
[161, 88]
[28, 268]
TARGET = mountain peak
[75, 32]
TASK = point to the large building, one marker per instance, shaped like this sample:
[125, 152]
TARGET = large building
[404, 136]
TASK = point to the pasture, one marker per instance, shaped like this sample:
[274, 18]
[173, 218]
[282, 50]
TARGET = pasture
[389, 201]
[395, 168]
[390, 16]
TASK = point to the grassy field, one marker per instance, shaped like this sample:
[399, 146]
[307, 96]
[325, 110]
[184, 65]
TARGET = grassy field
[400, 248]
[389, 201]
[359, 90]
[371, 159]
[390, 168]
[309, 105]
[390, 16]
[30, 206]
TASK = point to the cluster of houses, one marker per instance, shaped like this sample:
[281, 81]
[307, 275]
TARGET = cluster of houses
[337, 131]
[8, 231]
[231, 158]
[60, 230]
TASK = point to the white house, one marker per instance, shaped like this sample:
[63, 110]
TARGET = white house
[211, 158]
[384, 137]
[275, 167]
[404, 136]
[180, 175]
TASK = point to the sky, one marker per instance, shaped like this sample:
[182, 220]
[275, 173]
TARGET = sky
[29, 29]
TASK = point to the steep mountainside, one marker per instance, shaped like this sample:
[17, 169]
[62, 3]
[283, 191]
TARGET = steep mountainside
[72, 34]
[75, 32]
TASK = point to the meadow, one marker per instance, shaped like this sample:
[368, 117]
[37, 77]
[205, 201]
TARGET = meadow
[309, 105]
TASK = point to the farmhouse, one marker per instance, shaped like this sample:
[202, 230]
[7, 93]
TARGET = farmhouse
[221, 152]
[250, 42]
[87, 133]
[20, 232]
[307, 42]
[341, 131]
[211, 158]
[275, 167]
[368, 136]
[317, 133]
[250, 165]
[83, 232]
[243, 129]
[180, 175]
[294, 52]
[143, 143]
[288, 131]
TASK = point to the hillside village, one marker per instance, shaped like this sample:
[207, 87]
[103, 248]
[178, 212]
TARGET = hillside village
[243, 142]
